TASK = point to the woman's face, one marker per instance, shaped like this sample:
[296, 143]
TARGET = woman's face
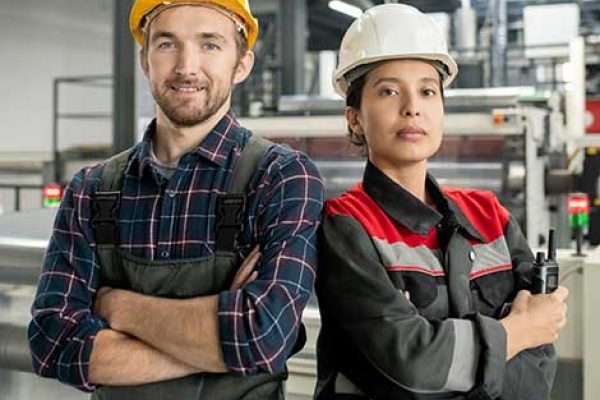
[401, 113]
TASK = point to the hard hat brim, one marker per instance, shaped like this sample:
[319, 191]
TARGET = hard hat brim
[142, 7]
[339, 78]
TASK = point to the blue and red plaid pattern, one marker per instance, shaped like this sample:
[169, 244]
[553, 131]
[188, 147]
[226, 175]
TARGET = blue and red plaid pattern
[174, 219]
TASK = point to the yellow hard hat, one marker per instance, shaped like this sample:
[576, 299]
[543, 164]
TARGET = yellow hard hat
[241, 9]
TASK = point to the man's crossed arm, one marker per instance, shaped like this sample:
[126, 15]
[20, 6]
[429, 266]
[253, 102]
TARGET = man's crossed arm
[154, 339]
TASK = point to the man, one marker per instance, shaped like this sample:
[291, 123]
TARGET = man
[141, 296]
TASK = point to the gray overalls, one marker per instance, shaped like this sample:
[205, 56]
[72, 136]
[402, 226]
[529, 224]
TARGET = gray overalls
[182, 279]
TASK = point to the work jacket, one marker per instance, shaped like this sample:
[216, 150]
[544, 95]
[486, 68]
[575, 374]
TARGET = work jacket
[410, 297]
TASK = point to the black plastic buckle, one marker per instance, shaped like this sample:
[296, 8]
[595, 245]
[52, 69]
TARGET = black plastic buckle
[106, 206]
[105, 217]
[229, 220]
[230, 210]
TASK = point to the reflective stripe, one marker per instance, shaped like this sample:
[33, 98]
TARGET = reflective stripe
[344, 386]
[492, 270]
[401, 257]
[491, 257]
[465, 356]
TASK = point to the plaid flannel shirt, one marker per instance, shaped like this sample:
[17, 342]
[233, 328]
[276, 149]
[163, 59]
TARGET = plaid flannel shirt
[174, 219]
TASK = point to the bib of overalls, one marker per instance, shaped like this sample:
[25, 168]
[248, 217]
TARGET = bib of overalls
[183, 279]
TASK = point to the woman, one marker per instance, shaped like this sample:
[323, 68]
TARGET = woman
[413, 278]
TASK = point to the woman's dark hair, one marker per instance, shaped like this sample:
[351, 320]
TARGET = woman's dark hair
[354, 100]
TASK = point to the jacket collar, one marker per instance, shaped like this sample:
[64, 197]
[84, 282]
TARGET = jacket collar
[408, 210]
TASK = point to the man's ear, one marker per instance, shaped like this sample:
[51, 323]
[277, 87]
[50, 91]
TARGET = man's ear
[244, 67]
[144, 61]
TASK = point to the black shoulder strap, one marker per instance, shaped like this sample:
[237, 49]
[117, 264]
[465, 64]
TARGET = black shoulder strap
[248, 163]
[230, 210]
[105, 202]
[113, 171]
[231, 207]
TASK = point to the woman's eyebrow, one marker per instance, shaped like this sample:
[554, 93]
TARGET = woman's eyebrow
[430, 80]
[397, 80]
[386, 79]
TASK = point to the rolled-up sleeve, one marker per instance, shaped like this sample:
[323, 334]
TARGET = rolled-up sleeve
[258, 325]
[63, 328]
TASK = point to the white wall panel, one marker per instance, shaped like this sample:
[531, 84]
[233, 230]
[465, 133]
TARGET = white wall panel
[39, 41]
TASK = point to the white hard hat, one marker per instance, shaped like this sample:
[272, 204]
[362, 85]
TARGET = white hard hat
[390, 32]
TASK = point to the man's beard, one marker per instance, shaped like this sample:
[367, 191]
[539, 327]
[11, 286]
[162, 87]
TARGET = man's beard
[190, 113]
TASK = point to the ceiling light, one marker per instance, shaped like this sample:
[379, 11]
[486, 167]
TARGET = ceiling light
[345, 8]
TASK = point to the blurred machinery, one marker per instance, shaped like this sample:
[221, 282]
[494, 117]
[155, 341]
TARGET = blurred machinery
[590, 177]
[511, 141]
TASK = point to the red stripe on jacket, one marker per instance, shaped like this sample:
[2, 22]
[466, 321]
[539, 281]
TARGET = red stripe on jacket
[480, 207]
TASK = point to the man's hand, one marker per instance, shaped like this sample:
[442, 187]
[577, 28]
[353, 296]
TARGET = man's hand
[535, 320]
[191, 341]
[246, 273]
[119, 359]
[110, 303]
[183, 329]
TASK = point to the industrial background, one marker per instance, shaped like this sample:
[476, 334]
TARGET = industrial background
[522, 119]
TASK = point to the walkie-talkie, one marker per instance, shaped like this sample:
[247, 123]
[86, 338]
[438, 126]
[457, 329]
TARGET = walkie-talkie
[545, 271]
[545, 274]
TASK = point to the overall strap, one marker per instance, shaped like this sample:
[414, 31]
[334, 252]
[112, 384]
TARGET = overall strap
[231, 207]
[105, 213]
[105, 201]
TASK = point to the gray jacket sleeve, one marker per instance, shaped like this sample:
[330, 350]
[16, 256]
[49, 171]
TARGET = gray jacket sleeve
[530, 374]
[401, 348]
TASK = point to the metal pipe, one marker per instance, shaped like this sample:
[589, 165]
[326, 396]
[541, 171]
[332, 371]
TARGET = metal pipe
[17, 199]
[23, 241]
[499, 44]
[124, 66]
[465, 31]
[293, 16]
[55, 111]
[14, 348]
[19, 276]
[21, 260]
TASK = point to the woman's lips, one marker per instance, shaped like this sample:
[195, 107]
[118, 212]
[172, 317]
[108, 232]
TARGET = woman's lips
[411, 134]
